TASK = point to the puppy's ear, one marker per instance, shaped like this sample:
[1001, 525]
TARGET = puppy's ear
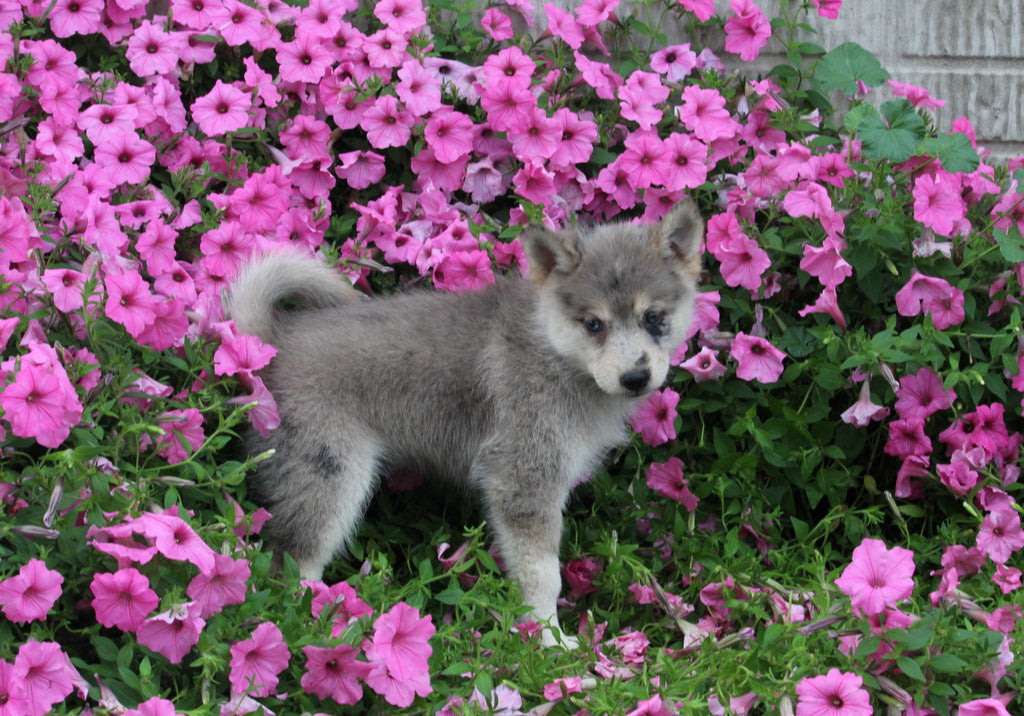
[549, 253]
[680, 234]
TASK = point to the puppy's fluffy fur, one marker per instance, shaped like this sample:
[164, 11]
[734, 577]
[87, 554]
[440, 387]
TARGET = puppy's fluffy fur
[517, 390]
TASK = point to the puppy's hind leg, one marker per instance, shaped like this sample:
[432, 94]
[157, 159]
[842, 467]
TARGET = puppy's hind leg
[321, 494]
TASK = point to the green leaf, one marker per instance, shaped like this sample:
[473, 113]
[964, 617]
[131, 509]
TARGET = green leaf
[909, 667]
[858, 114]
[895, 139]
[847, 64]
[953, 150]
[947, 663]
[1011, 244]
[450, 596]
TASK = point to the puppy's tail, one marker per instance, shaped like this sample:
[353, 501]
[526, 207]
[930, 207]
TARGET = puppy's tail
[275, 277]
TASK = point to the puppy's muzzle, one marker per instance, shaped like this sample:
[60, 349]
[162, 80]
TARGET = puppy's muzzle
[635, 381]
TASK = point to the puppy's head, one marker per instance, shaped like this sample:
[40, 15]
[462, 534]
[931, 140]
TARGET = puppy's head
[616, 300]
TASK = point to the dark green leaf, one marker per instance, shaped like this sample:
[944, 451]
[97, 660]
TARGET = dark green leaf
[1011, 244]
[953, 150]
[847, 64]
[895, 139]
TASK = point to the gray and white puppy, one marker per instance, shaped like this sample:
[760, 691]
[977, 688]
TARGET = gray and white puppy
[517, 390]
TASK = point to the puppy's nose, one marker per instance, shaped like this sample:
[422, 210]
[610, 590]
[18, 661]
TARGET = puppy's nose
[635, 380]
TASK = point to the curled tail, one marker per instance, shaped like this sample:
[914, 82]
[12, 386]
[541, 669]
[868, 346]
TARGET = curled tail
[271, 278]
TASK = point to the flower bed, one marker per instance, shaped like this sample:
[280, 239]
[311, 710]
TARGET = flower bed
[819, 514]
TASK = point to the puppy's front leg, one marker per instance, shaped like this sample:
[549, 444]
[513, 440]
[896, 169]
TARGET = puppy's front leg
[529, 533]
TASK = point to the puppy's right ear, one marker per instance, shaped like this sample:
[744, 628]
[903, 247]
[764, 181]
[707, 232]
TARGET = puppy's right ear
[549, 253]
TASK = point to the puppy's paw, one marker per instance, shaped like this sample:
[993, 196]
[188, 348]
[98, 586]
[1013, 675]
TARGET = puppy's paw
[554, 636]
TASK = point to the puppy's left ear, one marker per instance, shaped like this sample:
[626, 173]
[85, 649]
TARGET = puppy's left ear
[549, 252]
[679, 236]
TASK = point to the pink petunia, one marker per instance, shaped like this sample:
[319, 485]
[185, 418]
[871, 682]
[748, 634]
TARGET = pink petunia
[877, 577]
[401, 640]
[918, 96]
[703, 9]
[756, 358]
[386, 123]
[122, 599]
[703, 113]
[655, 418]
[242, 355]
[152, 51]
[31, 593]
[175, 539]
[907, 437]
[126, 158]
[983, 707]
[938, 204]
[922, 394]
[223, 109]
[833, 694]
[418, 88]
[497, 24]
[129, 301]
[667, 479]
[864, 411]
[704, 365]
[827, 302]
[1001, 535]
[220, 586]
[562, 687]
[172, 633]
[747, 31]
[334, 673]
[183, 434]
[828, 8]
[256, 662]
[41, 403]
[579, 575]
[46, 673]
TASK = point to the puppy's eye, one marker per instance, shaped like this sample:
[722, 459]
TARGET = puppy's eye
[593, 326]
[653, 320]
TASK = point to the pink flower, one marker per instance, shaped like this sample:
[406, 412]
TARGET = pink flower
[14, 700]
[833, 694]
[828, 8]
[401, 640]
[418, 88]
[826, 263]
[223, 109]
[655, 418]
[579, 575]
[386, 124]
[497, 24]
[129, 301]
[983, 707]
[758, 360]
[918, 96]
[653, 706]
[398, 655]
[31, 593]
[685, 165]
[703, 113]
[183, 435]
[534, 183]
[828, 302]
[174, 538]
[334, 672]
[304, 59]
[41, 403]
[667, 479]
[747, 31]
[922, 394]
[151, 51]
[46, 673]
[743, 261]
[562, 687]
[360, 169]
[256, 662]
[126, 158]
[1001, 535]
[404, 16]
[1008, 578]
[675, 62]
[242, 355]
[122, 599]
[877, 577]
[76, 17]
[172, 633]
[220, 586]
[703, 9]
[907, 437]
[464, 271]
[861, 413]
[938, 204]
[945, 303]
[704, 366]
[563, 25]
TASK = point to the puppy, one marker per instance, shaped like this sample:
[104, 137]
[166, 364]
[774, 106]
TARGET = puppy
[516, 390]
